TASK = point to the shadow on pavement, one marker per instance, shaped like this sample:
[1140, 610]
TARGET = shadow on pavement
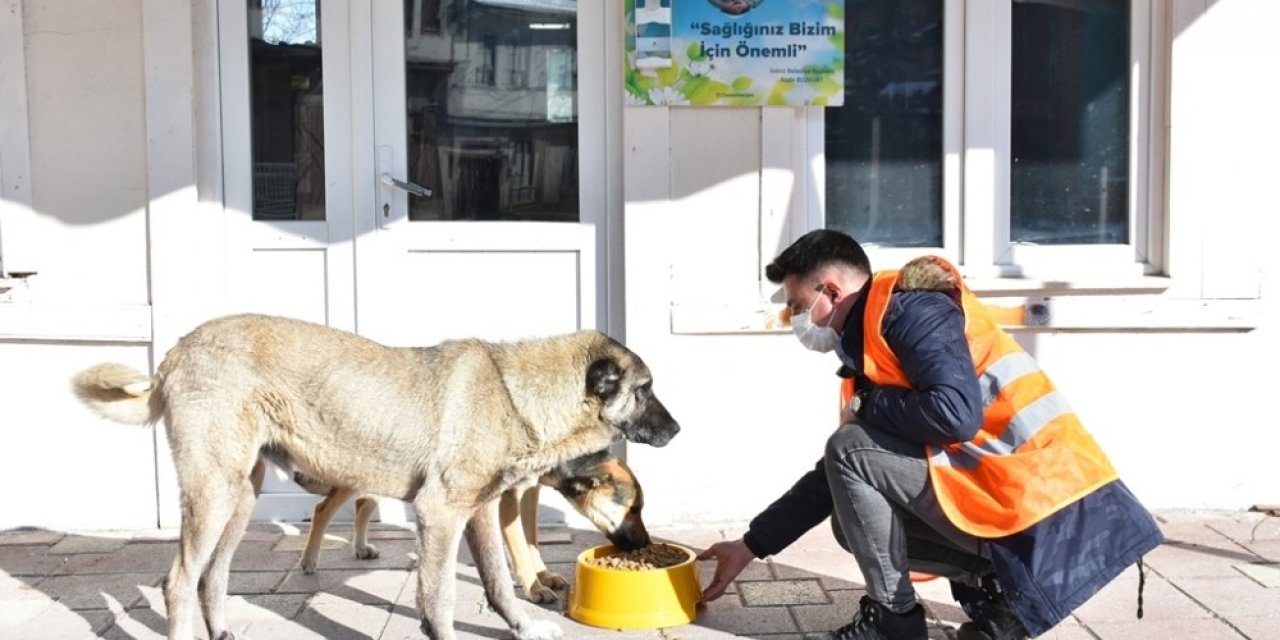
[102, 585]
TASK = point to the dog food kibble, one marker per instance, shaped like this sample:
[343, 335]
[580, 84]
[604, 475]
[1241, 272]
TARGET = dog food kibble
[654, 556]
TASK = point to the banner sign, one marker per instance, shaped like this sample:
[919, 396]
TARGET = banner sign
[735, 52]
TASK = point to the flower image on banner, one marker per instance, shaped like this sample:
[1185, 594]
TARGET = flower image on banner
[735, 52]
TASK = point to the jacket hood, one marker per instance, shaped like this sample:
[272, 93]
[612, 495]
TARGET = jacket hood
[928, 273]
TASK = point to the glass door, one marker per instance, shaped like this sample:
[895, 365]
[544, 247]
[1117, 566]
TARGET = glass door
[286, 147]
[412, 171]
[477, 224]
[285, 159]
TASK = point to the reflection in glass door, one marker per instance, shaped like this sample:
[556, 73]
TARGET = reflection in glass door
[476, 101]
[492, 109]
[286, 95]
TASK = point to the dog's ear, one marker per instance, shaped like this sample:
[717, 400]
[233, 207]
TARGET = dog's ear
[603, 378]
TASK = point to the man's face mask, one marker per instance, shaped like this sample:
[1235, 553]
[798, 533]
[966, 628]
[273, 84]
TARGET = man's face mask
[814, 338]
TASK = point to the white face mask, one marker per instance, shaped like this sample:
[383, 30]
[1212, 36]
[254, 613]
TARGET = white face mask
[814, 338]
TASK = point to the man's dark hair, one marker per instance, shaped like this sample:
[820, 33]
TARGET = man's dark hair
[817, 249]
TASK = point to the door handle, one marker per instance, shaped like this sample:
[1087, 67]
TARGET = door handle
[408, 187]
[391, 209]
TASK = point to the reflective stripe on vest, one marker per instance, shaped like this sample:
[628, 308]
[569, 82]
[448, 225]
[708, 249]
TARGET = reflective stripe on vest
[1031, 456]
[1025, 424]
[1002, 372]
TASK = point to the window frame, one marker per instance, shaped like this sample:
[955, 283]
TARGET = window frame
[1129, 259]
[976, 157]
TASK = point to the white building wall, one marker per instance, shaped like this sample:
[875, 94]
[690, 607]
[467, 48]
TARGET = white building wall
[1223, 133]
[1182, 409]
[85, 236]
[61, 467]
[1169, 399]
[88, 153]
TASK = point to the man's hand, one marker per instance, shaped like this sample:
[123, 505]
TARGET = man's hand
[731, 558]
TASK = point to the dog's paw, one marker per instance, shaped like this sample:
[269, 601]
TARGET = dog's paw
[540, 594]
[552, 580]
[309, 565]
[367, 552]
[540, 630]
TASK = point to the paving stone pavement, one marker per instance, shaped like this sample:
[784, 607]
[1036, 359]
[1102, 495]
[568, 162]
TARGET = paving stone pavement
[1218, 576]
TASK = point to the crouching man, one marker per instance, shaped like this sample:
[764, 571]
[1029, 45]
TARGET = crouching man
[956, 456]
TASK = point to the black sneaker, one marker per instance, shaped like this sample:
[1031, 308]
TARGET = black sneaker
[875, 622]
[993, 619]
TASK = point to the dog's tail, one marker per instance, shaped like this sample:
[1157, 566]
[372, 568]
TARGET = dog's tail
[116, 392]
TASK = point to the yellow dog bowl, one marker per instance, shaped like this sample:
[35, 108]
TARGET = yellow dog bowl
[645, 599]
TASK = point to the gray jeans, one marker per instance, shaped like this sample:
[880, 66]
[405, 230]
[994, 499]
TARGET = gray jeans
[887, 515]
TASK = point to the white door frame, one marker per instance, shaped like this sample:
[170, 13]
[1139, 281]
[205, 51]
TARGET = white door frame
[600, 197]
[219, 75]
[334, 235]
[216, 75]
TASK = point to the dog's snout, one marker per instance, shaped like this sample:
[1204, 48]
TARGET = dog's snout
[654, 435]
[662, 434]
[629, 537]
[656, 427]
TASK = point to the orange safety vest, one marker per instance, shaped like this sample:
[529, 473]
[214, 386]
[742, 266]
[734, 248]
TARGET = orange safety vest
[1031, 457]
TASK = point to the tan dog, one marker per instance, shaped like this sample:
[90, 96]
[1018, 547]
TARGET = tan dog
[600, 486]
[447, 428]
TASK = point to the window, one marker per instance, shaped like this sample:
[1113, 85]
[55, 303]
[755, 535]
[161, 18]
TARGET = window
[493, 134]
[562, 69]
[884, 146]
[1069, 123]
[521, 183]
[484, 62]
[287, 107]
[518, 65]
[1009, 135]
[425, 14]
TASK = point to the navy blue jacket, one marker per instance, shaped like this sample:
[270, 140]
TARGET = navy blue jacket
[1047, 570]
